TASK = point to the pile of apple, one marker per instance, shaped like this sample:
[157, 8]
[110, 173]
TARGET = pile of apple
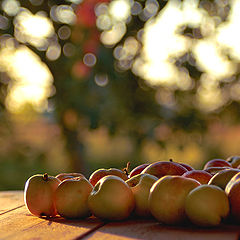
[171, 192]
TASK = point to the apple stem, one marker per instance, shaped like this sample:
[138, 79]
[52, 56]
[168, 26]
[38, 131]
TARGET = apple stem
[45, 176]
[126, 169]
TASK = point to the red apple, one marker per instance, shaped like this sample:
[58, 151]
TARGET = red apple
[187, 166]
[111, 199]
[39, 195]
[100, 173]
[138, 170]
[64, 176]
[217, 163]
[167, 198]
[200, 175]
[163, 168]
[71, 197]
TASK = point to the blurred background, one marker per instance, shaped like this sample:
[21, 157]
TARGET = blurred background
[87, 84]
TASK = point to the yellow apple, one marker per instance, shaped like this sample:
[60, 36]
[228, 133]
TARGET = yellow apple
[167, 198]
[71, 198]
[207, 205]
[111, 199]
[222, 178]
[140, 185]
[38, 195]
[233, 192]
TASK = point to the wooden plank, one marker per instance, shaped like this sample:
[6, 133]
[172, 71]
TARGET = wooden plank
[150, 229]
[10, 200]
[20, 223]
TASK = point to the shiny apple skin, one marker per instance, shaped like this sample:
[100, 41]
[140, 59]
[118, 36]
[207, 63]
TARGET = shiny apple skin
[39, 195]
[167, 198]
[207, 205]
[64, 176]
[233, 192]
[138, 170]
[111, 199]
[222, 178]
[234, 161]
[187, 166]
[100, 173]
[217, 163]
[140, 185]
[215, 170]
[71, 198]
[163, 168]
[200, 175]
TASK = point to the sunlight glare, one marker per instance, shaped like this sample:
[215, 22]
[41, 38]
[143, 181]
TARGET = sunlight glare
[227, 35]
[211, 60]
[30, 28]
[32, 79]
[120, 9]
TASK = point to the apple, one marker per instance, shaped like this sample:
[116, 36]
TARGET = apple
[234, 160]
[38, 195]
[215, 170]
[217, 163]
[200, 175]
[187, 166]
[138, 169]
[163, 168]
[233, 192]
[167, 197]
[207, 205]
[64, 176]
[222, 178]
[98, 174]
[111, 199]
[71, 197]
[140, 185]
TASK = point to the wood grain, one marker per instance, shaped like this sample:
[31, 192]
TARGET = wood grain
[150, 229]
[10, 200]
[19, 222]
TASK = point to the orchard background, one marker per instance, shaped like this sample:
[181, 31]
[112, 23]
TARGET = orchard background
[98, 83]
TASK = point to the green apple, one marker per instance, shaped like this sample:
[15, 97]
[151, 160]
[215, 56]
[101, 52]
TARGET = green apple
[140, 185]
[111, 199]
[207, 205]
[102, 172]
[233, 192]
[167, 198]
[71, 197]
[38, 195]
[222, 178]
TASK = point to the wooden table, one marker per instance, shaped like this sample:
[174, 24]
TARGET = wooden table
[17, 223]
